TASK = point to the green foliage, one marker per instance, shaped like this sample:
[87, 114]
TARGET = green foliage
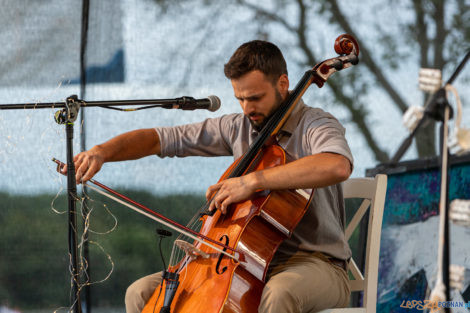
[357, 242]
[34, 247]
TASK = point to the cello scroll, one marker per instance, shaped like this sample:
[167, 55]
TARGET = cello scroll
[348, 49]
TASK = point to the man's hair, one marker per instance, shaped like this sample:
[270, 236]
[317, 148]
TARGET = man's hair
[256, 55]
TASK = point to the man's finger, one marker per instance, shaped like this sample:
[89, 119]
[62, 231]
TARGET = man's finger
[78, 176]
[225, 204]
[90, 172]
[79, 161]
[212, 206]
[219, 200]
[75, 158]
[208, 193]
[81, 169]
[211, 191]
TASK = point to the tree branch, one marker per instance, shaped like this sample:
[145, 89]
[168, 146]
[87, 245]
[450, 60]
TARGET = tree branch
[367, 59]
[301, 30]
[441, 34]
[269, 15]
[357, 116]
[421, 34]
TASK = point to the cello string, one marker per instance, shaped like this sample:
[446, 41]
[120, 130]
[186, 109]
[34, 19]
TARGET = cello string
[172, 256]
[185, 274]
[176, 252]
[103, 256]
[82, 264]
[89, 209]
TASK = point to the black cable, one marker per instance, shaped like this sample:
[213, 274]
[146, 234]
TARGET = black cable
[161, 253]
[130, 110]
[162, 233]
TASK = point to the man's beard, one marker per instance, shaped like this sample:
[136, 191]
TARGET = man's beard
[259, 126]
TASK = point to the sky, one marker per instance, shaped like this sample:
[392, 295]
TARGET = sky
[162, 56]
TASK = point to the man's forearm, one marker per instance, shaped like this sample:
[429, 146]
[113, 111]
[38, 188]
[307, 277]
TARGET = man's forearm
[313, 171]
[130, 146]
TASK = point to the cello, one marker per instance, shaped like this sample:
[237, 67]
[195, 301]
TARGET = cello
[203, 279]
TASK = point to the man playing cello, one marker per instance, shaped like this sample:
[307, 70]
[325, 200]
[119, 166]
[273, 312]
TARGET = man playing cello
[308, 271]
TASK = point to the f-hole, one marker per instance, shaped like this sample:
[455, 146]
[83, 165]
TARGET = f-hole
[217, 267]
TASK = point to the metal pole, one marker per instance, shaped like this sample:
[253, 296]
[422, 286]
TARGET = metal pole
[85, 211]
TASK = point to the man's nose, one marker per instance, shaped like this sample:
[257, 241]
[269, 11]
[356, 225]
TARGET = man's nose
[248, 107]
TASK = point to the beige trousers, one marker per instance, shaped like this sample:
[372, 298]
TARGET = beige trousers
[305, 283]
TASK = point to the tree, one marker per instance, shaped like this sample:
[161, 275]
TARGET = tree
[420, 33]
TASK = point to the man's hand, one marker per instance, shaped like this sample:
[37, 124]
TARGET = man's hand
[87, 164]
[230, 191]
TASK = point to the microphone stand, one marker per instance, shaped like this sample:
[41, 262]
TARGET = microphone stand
[184, 103]
[439, 109]
[67, 116]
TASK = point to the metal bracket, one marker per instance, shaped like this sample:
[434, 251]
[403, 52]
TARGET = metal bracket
[70, 113]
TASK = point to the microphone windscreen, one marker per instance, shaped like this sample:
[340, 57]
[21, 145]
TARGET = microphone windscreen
[214, 103]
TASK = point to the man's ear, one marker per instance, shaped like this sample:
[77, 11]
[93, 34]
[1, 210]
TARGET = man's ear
[283, 84]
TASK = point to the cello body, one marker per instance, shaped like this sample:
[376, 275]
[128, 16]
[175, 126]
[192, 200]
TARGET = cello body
[256, 228]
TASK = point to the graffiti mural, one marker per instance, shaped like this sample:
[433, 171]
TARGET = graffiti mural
[408, 253]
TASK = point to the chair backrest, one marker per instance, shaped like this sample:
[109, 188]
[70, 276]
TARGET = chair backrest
[373, 191]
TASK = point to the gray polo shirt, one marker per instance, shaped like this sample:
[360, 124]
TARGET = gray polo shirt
[306, 132]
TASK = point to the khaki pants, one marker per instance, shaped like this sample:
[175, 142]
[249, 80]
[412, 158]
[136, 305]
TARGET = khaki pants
[305, 283]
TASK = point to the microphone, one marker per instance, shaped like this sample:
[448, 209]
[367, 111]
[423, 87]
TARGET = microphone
[211, 103]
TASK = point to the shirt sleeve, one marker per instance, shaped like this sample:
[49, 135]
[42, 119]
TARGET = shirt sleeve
[206, 138]
[326, 134]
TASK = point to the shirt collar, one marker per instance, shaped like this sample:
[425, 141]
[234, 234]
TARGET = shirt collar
[293, 120]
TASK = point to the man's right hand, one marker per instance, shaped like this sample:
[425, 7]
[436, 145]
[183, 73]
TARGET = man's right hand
[87, 164]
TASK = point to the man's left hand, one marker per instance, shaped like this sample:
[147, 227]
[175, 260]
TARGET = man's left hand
[230, 191]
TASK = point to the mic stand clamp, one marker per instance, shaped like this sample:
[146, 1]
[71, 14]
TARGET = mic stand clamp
[69, 113]
[67, 116]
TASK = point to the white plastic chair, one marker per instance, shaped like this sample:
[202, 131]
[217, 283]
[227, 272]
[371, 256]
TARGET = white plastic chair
[373, 191]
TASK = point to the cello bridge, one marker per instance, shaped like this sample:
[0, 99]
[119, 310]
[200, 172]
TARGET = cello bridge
[191, 250]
